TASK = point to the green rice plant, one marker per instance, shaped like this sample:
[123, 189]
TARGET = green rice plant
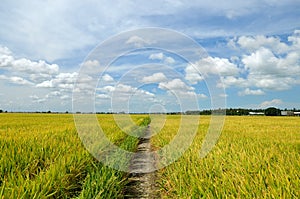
[43, 157]
[255, 157]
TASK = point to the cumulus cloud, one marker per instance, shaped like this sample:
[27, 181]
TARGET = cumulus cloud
[175, 85]
[268, 71]
[36, 99]
[252, 43]
[178, 87]
[35, 70]
[210, 65]
[102, 96]
[201, 95]
[274, 102]
[192, 75]
[122, 92]
[46, 36]
[232, 81]
[53, 94]
[16, 80]
[65, 97]
[107, 78]
[137, 41]
[158, 56]
[248, 91]
[269, 63]
[263, 61]
[62, 80]
[155, 78]
[162, 57]
[90, 67]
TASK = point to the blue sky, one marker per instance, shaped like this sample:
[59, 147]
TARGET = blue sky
[254, 47]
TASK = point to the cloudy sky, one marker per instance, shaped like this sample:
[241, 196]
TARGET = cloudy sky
[252, 46]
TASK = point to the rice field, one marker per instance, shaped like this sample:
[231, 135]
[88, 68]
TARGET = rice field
[256, 157]
[43, 157]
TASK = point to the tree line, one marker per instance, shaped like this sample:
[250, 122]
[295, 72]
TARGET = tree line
[271, 111]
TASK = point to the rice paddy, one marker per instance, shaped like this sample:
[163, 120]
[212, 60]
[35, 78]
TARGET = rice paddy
[42, 156]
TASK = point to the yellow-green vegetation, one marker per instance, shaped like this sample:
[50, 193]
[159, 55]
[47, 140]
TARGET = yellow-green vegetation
[255, 157]
[43, 157]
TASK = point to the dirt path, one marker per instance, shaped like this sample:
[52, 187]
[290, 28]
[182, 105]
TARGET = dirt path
[142, 178]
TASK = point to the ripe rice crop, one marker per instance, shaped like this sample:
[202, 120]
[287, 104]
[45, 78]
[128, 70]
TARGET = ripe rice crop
[255, 157]
[43, 157]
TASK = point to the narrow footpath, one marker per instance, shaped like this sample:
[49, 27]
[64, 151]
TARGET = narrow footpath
[142, 175]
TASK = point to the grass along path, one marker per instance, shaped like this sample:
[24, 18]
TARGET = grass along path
[142, 177]
[42, 157]
[256, 157]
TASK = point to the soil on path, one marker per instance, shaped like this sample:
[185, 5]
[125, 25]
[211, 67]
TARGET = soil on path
[142, 177]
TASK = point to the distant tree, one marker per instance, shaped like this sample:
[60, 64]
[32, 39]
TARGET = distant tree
[205, 112]
[272, 111]
[1, 111]
[48, 111]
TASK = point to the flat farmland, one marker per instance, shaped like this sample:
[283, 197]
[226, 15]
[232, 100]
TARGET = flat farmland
[256, 157]
[42, 157]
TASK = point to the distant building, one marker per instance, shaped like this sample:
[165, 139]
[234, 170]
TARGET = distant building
[256, 113]
[287, 113]
[297, 113]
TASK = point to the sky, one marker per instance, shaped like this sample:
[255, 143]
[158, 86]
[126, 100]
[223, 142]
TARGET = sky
[251, 48]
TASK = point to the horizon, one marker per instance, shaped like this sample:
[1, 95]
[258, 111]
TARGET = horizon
[253, 46]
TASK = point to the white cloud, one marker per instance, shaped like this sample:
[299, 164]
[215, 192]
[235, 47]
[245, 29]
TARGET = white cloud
[252, 43]
[65, 97]
[37, 28]
[62, 80]
[36, 99]
[192, 75]
[224, 95]
[28, 66]
[5, 51]
[122, 92]
[248, 91]
[53, 94]
[35, 71]
[178, 87]
[20, 80]
[45, 84]
[266, 70]
[39, 31]
[90, 67]
[210, 65]
[16, 80]
[269, 64]
[169, 60]
[155, 78]
[107, 78]
[102, 96]
[201, 95]
[295, 39]
[274, 102]
[233, 81]
[137, 41]
[160, 56]
[175, 85]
